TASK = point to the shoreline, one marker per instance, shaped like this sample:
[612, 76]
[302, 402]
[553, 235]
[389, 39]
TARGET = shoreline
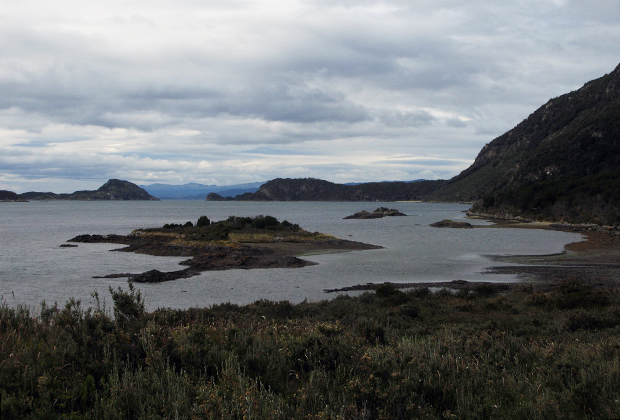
[593, 262]
[209, 257]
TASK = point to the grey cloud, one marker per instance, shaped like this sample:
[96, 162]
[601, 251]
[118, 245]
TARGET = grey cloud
[421, 162]
[406, 119]
[278, 152]
[456, 123]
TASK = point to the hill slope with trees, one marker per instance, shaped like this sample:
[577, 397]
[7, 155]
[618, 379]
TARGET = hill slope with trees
[114, 189]
[310, 189]
[562, 163]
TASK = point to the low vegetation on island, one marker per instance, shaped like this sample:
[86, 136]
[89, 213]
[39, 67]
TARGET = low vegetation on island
[452, 224]
[376, 214]
[382, 355]
[234, 243]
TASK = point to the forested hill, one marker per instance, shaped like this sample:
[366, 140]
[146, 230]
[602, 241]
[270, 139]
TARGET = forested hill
[561, 163]
[114, 189]
[310, 189]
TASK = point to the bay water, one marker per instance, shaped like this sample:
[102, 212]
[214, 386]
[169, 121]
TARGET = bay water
[34, 268]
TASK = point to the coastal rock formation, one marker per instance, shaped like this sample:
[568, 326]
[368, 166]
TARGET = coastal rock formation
[114, 189]
[452, 224]
[235, 243]
[376, 214]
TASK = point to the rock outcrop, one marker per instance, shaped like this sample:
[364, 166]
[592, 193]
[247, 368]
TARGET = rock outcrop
[452, 224]
[376, 214]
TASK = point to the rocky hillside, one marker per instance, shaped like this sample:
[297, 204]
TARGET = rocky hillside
[114, 189]
[9, 196]
[561, 163]
[310, 189]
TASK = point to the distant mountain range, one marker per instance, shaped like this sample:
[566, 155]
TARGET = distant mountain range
[194, 191]
[311, 189]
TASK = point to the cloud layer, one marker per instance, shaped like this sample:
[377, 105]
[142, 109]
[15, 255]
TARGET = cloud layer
[224, 92]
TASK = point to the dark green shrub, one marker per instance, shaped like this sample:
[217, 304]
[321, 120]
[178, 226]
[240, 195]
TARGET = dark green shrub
[129, 307]
[485, 290]
[410, 310]
[582, 321]
[265, 222]
[171, 226]
[420, 292]
[386, 289]
[391, 295]
[573, 294]
[203, 221]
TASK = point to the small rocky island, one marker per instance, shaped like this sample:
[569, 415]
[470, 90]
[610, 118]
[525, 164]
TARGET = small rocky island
[452, 224]
[237, 242]
[376, 214]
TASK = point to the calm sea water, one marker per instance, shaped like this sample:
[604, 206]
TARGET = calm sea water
[34, 268]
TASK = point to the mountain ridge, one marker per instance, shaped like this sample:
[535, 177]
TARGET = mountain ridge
[112, 190]
[312, 189]
[196, 191]
[559, 164]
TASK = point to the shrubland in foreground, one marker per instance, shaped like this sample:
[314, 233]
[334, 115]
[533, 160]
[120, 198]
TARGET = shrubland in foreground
[383, 355]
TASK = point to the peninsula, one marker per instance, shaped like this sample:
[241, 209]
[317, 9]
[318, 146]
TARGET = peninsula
[114, 189]
[234, 243]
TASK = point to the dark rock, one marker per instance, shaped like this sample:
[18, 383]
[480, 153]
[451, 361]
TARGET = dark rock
[377, 214]
[156, 276]
[452, 224]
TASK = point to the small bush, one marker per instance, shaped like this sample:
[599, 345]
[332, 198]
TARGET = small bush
[203, 221]
[485, 290]
[386, 289]
[582, 321]
[573, 295]
[410, 310]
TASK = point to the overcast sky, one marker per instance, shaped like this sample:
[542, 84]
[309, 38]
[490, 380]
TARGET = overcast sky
[226, 92]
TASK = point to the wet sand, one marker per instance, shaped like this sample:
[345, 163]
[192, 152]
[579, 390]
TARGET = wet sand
[595, 262]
